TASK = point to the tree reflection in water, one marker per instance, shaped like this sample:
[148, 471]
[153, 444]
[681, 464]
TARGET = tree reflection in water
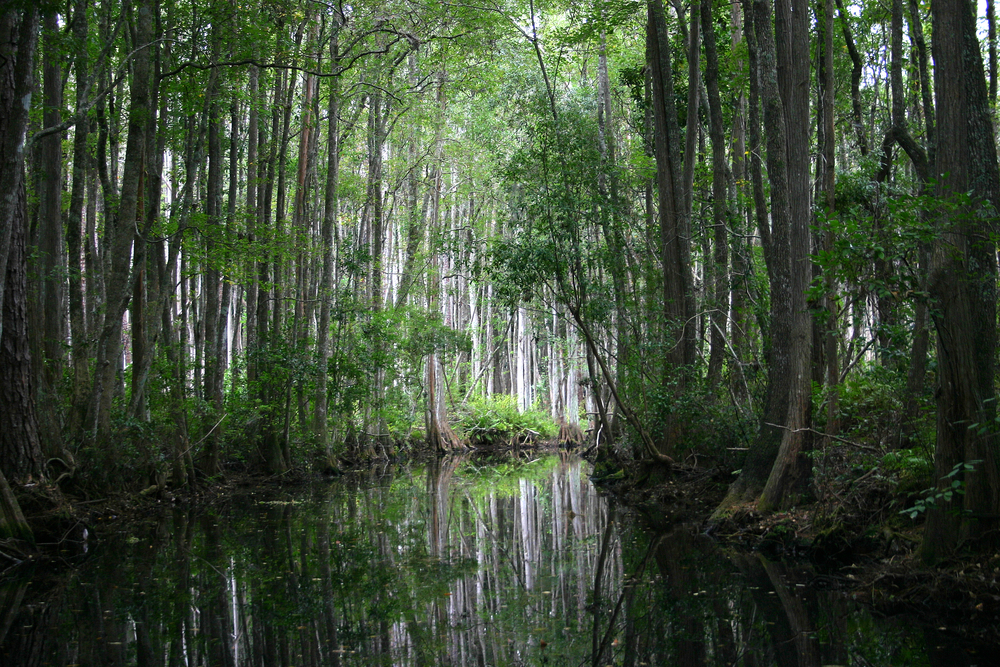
[454, 563]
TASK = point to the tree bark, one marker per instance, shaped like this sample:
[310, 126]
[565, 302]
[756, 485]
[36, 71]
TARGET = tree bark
[18, 39]
[831, 337]
[48, 252]
[119, 230]
[670, 185]
[962, 284]
[20, 448]
[80, 350]
[720, 203]
[764, 450]
[857, 70]
[20, 451]
[789, 479]
[326, 289]
[678, 297]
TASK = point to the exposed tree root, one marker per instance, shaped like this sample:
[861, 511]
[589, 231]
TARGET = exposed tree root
[570, 435]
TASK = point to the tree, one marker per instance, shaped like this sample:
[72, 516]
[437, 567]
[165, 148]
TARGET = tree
[19, 452]
[720, 213]
[791, 473]
[776, 240]
[673, 189]
[962, 284]
[122, 224]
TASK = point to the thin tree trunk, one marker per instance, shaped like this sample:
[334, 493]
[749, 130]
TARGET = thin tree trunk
[120, 227]
[80, 350]
[720, 203]
[926, 90]
[439, 433]
[148, 290]
[832, 335]
[741, 220]
[611, 216]
[857, 71]
[678, 312]
[275, 455]
[326, 290]
[308, 133]
[991, 23]
[377, 112]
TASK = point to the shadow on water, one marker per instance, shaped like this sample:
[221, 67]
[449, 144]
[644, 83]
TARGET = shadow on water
[453, 563]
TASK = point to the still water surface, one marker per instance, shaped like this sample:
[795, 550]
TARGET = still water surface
[453, 563]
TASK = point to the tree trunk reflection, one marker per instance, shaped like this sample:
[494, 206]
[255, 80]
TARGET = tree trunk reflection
[459, 563]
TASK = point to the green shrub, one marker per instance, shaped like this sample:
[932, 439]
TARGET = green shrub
[871, 404]
[496, 419]
[914, 469]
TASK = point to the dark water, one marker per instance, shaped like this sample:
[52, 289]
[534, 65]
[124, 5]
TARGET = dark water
[451, 564]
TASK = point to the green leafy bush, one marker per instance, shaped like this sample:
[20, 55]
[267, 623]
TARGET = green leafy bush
[496, 420]
[871, 404]
[954, 484]
[913, 468]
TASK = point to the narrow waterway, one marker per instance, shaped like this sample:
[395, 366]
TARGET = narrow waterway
[455, 563]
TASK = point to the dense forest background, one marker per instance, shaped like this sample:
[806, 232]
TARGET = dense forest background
[258, 234]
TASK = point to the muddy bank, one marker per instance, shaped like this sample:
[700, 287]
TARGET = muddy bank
[854, 539]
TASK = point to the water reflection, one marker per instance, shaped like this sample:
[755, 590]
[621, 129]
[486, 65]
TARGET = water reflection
[456, 563]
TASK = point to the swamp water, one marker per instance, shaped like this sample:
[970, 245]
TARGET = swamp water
[454, 563]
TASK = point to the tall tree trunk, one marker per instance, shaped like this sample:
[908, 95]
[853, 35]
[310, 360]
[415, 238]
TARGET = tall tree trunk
[20, 451]
[252, 184]
[720, 203]
[326, 289]
[20, 448]
[962, 284]
[119, 230]
[49, 260]
[832, 336]
[611, 217]
[148, 290]
[377, 112]
[691, 135]
[300, 233]
[777, 248]
[741, 220]
[80, 350]
[921, 332]
[211, 279]
[899, 133]
[789, 479]
[439, 433]
[678, 312]
[275, 455]
[18, 39]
